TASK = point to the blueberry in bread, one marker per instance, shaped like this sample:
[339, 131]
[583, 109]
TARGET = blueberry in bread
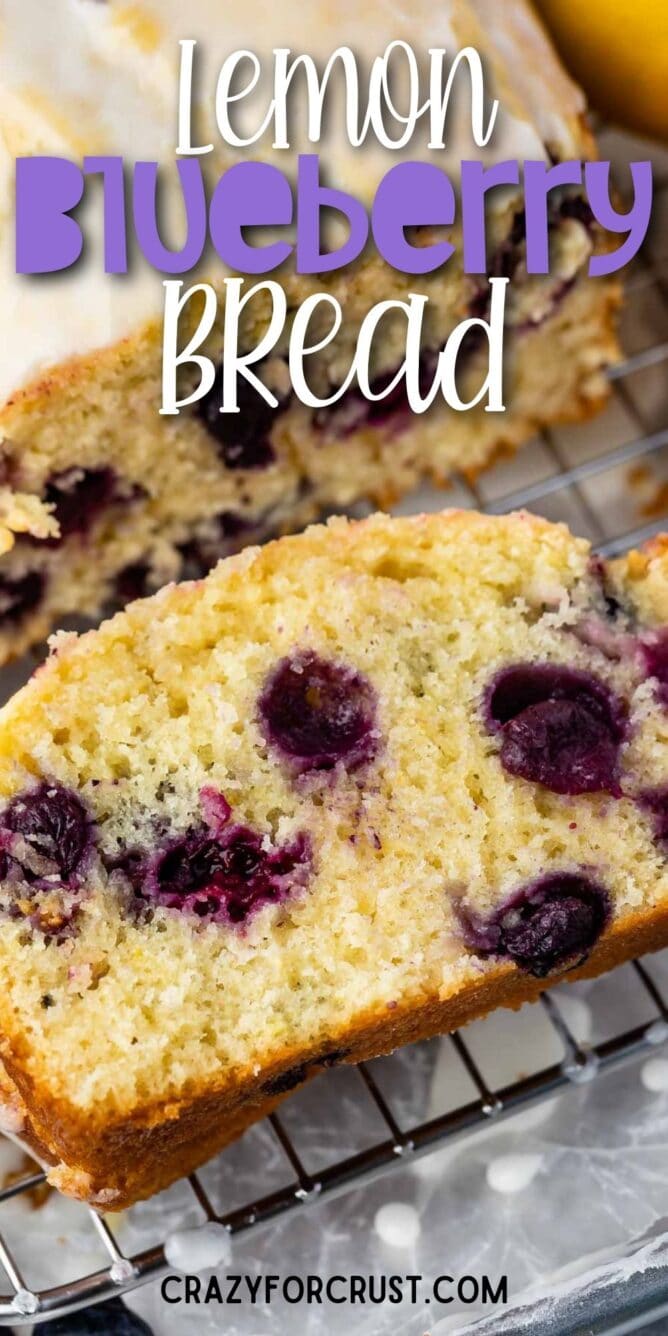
[356, 787]
[103, 499]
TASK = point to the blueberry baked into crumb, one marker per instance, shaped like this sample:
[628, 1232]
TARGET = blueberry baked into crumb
[559, 726]
[549, 925]
[353, 788]
[318, 714]
[102, 497]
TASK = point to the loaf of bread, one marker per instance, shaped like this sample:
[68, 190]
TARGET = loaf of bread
[103, 499]
[356, 787]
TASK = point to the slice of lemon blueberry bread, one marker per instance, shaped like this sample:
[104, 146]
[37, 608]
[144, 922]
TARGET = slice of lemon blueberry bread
[101, 497]
[355, 787]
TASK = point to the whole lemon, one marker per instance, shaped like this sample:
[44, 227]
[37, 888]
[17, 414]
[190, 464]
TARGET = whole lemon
[618, 51]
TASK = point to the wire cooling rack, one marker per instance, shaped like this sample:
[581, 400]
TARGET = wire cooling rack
[609, 481]
[124, 1272]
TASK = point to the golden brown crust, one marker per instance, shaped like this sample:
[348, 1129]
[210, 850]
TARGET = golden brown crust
[35, 395]
[142, 1155]
[76, 1182]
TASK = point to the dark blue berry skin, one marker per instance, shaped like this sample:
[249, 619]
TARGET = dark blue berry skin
[295, 1076]
[77, 497]
[20, 596]
[56, 827]
[318, 713]
[218, 871]
[132, 582]
[226, 877]
[54, 822]
[545, 927]
[108, 1319]
[559, 727]
[242, 438]
[608, 601]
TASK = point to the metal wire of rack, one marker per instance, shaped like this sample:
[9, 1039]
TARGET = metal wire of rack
[125, 1272]
[22, 1302]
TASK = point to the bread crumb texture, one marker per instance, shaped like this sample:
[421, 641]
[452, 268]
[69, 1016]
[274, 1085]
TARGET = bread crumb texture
[118, 989]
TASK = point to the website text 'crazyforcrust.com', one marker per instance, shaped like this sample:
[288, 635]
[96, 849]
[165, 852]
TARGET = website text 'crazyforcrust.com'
[371, 1289]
